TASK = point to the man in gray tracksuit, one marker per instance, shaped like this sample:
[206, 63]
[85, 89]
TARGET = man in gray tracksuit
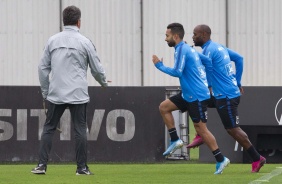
[63, 78]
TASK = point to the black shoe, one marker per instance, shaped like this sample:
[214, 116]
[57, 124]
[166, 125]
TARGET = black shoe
[40, 169]
[84, 171]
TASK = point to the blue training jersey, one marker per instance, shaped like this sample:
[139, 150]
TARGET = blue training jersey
[225, 83]
[189, 69]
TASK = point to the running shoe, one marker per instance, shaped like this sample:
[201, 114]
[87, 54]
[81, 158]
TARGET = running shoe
[84, 171]
[221, 165]
[197, 141]
[174, 145]
[40, 169]
[258, 164]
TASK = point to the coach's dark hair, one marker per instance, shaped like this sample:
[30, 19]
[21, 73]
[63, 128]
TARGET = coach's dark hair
[177, 28]
[71, 15]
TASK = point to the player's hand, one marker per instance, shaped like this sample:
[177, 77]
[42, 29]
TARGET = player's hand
[155, 59]
[241, 90]
[210, 88]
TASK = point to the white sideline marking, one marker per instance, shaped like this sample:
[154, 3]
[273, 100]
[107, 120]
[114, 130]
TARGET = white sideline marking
[268, 176]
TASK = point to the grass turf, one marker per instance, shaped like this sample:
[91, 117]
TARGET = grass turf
[167, 172]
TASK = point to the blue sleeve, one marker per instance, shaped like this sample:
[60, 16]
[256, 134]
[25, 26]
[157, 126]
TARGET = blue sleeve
[207, 62]
[238, 60]
[176, 71]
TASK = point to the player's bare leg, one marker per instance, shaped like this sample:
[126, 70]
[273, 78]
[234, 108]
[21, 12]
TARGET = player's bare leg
[242, 138]
[166, 108]
[207, 136]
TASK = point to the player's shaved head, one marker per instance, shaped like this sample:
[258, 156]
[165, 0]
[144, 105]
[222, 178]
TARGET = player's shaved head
[201, 34]
[204, 28]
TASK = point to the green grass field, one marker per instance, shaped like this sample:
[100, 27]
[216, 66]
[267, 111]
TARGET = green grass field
[168, 172]
[176, 172]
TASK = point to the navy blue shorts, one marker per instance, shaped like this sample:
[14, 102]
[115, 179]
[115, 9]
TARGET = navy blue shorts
[211, 102]
[196, 109]
[228, 111]
[179, 102]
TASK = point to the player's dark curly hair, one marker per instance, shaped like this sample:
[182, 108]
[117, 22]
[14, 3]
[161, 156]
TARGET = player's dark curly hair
[71, 15]
[177, 28]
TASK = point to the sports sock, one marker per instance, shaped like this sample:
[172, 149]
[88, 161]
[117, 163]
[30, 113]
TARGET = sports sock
[218, 156]
[253, 153]
[173, 134]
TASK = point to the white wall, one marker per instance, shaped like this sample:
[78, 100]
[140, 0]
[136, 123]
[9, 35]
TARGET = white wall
[158, 14]
[25, 26]
[119, 28]
[255, 31]
[114, 26]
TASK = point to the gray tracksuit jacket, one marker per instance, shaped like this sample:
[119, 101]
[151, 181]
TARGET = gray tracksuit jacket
[63, 67]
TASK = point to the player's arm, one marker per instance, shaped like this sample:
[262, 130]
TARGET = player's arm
[44, 69]
[176, 71]
[239, 62]
[207, 62]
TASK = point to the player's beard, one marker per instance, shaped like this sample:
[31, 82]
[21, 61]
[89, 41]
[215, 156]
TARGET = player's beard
[171, 43]
[198, 42]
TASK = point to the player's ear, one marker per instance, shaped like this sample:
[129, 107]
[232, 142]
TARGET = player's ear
[205, 34]
[175, 37]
